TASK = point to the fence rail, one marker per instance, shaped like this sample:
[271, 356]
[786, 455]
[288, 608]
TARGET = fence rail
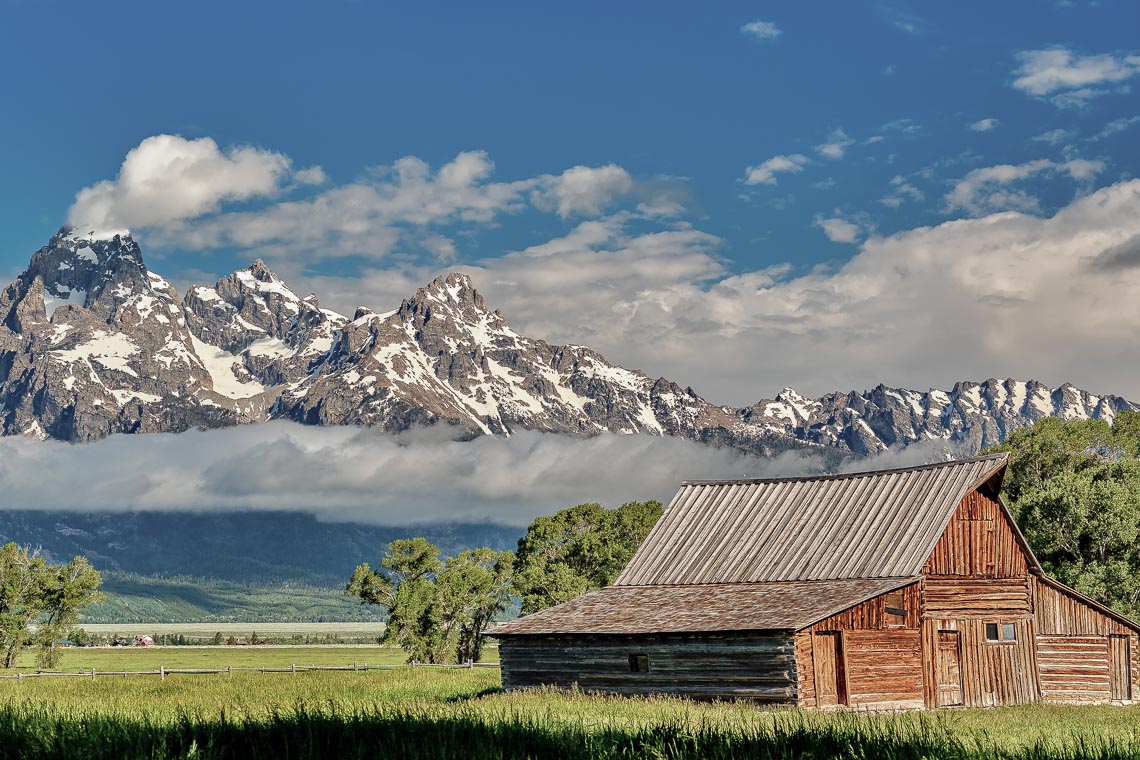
[163, 672]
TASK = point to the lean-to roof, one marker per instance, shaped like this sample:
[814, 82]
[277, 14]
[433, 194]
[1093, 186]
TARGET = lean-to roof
[707, 608]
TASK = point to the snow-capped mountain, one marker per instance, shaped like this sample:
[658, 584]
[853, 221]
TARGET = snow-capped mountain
[92, 343]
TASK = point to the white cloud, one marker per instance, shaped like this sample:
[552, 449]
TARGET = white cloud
[835, 145]
[761, 30]
[988, 189]
[363, 475]
[1003, 293]
[314, 175]
[177, 190]
[1068, 79]
[168, 178]
[837, 229]
[985, 125]
[765, 173]
[583, 190]
[901, 191]
[1115, 126]
[1055, 136]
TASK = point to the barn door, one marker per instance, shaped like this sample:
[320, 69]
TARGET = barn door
[1120, 667]
[830, 675]
[949, 671]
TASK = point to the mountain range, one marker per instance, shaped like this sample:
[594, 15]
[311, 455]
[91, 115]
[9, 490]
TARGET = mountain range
[92, 344]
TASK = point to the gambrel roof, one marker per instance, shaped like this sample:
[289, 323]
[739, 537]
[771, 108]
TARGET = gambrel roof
[881, 524]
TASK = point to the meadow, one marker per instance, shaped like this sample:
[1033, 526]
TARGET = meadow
[462, 713]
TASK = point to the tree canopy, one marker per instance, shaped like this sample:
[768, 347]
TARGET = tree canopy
[1074, 488]
[40, 602]
[437, 611]
[577, 550]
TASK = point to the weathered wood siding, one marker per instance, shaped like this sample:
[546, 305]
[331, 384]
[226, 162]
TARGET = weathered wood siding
[1074, 668]
[978, 573]
[753, 666]
[979, 541]
[1075, 649]
[991, 673]
[881, 654]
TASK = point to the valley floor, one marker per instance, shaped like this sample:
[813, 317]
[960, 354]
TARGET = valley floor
[462, 713]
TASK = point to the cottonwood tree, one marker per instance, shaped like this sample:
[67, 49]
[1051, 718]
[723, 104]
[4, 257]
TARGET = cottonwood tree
[473, 587]
[578, 550]
[40, 602]
[1074, 488]
[437, 612]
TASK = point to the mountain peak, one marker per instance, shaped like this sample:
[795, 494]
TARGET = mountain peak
[80, 233]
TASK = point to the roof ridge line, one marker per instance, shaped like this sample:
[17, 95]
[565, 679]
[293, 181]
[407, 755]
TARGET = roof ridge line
[1004, 455]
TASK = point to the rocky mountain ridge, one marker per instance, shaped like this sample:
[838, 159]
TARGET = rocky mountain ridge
[92, 343]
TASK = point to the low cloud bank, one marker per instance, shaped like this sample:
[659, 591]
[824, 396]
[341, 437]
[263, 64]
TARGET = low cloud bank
[351, 474]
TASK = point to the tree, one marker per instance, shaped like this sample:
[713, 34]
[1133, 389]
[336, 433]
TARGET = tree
[39, 602]
[473, 587]
[1084, 527]
[1074, 488]
[437, 611]
[577, 550]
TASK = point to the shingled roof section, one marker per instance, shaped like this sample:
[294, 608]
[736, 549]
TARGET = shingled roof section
[860, 525]
[717, 607]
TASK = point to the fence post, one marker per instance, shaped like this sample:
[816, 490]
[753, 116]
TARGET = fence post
[20, 679]
[354, 666]
[470, 664]
[161, 673]
[294, 668]
[92, 672]
[230, 670]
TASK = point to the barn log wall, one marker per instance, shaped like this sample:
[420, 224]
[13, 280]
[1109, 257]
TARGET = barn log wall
[882, 653]
[760, 667]
[1074, 647]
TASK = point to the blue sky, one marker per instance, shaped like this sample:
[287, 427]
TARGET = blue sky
[752, 178]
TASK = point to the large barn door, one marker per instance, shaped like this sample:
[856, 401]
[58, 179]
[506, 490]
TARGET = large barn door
[949, 670]
[830, 675]
[1120, 666]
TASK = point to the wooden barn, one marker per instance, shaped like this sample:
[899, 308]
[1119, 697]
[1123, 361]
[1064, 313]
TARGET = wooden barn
[892, 589]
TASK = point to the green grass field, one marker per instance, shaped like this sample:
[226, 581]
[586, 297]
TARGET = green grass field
[462, 713]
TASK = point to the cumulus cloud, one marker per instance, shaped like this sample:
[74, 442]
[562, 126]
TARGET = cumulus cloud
[168, 178]
[1070, 80]
[583, 190]
[1000, 292]
[837, 229]
[989, 188]
[985, 125]
[179, 192]
[835, 146]
[765, 173]
[761, 30]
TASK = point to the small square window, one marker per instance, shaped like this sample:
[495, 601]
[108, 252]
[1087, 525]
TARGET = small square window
[895, 604]
[1007, 632]
[992, 633]
[639, 663]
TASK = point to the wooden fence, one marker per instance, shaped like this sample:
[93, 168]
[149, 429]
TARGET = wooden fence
[163, 672]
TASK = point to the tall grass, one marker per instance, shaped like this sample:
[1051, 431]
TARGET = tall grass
[460, 713]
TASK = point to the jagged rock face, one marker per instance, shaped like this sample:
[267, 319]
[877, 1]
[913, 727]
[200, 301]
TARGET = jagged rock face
[91, 344]
[971, 416]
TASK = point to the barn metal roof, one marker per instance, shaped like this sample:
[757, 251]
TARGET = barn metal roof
[719, 607]
[881, 524]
